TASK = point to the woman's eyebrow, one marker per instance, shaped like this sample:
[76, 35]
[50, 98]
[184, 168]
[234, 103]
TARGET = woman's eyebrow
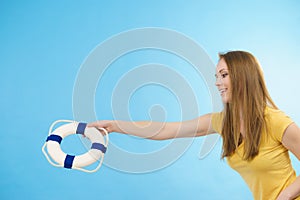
[222, 70]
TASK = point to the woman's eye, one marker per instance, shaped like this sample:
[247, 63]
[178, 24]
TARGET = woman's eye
[224, 75]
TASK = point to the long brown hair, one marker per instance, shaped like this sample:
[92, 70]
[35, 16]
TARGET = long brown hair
[249, 98]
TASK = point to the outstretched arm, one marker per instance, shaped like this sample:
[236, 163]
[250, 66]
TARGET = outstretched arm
[159, 130]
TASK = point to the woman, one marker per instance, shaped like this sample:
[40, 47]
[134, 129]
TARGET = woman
[256, 135]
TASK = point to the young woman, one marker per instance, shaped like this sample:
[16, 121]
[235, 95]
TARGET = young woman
[256, 135]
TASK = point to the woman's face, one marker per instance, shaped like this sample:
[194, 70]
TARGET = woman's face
[223, 81]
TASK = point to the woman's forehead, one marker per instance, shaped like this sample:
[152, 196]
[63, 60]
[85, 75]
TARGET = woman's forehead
[221, 66]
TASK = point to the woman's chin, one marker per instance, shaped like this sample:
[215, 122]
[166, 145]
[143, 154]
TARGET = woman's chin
[225, 99]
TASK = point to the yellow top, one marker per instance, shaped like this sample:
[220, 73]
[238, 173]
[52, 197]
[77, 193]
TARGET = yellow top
[271, 170]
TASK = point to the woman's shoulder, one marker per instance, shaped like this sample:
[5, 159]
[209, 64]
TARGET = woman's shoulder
[277, 121]
[217, 117]
[217, 121]
[275, 114]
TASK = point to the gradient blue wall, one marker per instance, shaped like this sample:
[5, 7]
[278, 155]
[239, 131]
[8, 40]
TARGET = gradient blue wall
[43, 44]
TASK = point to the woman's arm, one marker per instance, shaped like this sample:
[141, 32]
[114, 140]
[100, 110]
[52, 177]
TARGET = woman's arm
[159, 130]
[291, 140]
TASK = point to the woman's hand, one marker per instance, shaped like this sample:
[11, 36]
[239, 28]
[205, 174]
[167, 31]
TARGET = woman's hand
[108, 125]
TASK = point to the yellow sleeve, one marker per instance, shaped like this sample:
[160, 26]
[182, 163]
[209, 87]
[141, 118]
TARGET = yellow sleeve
[217, 121]
[278, 122]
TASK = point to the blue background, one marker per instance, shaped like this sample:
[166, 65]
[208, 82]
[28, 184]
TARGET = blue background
[43, 44]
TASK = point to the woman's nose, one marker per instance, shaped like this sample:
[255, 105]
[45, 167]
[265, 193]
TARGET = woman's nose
[218, 81]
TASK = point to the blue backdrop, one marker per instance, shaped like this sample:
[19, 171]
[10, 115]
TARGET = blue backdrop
[44, 43]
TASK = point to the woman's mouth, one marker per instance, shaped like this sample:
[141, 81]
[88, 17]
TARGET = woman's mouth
[222, 91]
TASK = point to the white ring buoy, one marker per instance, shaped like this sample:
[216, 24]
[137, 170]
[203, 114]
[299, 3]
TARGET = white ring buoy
[62, 159]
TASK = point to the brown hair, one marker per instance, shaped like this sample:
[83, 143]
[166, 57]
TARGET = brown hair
[249, 97]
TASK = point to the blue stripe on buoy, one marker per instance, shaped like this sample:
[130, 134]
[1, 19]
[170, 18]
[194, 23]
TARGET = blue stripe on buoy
[99, 146]
[80, 128]
[69, 161]
[55, 138]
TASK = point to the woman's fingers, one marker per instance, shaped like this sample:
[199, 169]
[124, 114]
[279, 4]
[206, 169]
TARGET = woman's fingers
[106, 124]
[94, 124]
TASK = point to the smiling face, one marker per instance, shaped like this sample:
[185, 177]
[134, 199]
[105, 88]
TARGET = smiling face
[223, 81]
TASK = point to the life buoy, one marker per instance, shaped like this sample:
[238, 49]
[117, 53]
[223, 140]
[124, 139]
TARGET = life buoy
[96, 152]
